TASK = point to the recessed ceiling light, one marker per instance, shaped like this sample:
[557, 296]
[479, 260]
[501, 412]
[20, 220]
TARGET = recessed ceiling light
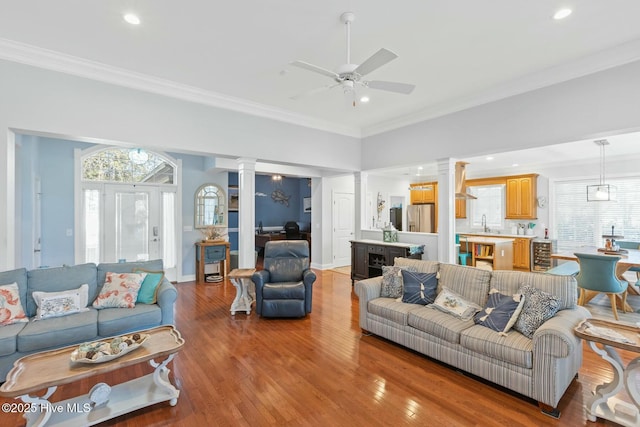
[561, 14]
[419, 168]
[132, 18]
[515, 164]
[489, 158]
[364, 99]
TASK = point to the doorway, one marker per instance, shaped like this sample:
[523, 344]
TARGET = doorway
[343, 228]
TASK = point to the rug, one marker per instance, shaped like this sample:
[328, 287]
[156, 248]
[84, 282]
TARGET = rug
[600, 306]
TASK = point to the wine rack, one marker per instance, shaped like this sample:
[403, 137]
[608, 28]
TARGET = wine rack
[541, 251]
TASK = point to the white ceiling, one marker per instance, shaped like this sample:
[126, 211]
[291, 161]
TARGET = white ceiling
[457, 52]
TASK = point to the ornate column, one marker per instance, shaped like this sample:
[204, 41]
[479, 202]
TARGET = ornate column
[446, 210]
[247, 212]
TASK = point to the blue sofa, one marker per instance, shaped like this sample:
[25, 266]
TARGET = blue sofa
[19, 339]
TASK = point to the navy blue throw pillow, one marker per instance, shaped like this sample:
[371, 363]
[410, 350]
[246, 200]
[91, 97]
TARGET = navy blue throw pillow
[419, 288]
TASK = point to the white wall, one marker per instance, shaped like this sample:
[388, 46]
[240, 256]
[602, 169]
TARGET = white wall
[72, 107]
[387, 187]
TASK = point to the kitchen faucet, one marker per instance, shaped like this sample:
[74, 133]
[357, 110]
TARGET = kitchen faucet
[484, 224]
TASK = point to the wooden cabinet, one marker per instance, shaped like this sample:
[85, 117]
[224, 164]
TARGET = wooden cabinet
[490, 252]
[522, 254]
[368, 257]
[521, 197]
[425, 192]
[211, 252]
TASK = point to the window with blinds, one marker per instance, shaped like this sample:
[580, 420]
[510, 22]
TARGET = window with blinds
[581, 223]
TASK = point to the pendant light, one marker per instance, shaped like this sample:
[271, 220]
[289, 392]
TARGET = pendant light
[601, 192]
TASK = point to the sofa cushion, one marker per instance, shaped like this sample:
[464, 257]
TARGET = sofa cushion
[11, 307]
[125, 267]
[419, 288]
[539, 306]
[391, 309]
[564, 287]
[512, 348]
[501, 311]
[9, 338]
[283, 290]
[60, 279]
[456, 305]
[120, 290]
[392, 281]
[438, 324]
[59, 331]
[469, 282]
[53, 304]
[18, 276]
[115, 321]
[419, 265]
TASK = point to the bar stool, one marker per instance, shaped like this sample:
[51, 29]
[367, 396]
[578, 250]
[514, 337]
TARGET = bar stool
[462, 256]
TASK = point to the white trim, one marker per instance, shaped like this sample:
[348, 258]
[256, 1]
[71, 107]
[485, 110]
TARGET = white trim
[51, 60]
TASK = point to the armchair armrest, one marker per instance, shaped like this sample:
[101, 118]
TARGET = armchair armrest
[166, 298]
[259, 279]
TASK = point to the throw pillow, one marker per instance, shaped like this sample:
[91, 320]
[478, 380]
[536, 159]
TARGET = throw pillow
[454, 304]
[120, 290]
[62, 303]
[392, 281]
[539, 306]
[149, 289]
[419, 288]
[501, 311]
[11, 310]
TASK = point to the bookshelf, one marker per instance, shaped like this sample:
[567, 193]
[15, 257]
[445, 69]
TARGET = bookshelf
[490, 252]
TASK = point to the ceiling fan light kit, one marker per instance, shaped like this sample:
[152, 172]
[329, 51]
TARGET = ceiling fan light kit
[349, 75]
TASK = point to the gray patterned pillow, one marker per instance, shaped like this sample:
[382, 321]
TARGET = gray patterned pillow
[539, 306]
[392, 281]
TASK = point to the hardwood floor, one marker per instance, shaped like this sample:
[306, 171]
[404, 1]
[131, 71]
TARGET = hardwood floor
[247, 371]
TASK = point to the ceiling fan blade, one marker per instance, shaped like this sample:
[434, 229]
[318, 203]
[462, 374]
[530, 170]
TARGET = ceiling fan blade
[391, 86]
[313, 91]
[315, 69]
[375, 61]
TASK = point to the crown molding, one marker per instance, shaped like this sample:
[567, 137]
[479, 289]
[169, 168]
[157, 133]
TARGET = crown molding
[68, 64]
[603, 60]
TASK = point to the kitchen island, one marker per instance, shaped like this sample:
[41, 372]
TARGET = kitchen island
[493, 253]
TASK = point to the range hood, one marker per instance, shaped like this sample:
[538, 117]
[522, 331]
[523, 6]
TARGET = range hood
[461, 182]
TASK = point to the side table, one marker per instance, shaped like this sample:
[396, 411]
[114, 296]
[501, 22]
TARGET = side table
[241, 279]
[612, 335]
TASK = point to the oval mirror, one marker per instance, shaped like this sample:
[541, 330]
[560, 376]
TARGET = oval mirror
[210, 206]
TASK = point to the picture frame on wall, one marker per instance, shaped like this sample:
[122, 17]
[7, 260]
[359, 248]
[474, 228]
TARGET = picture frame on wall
[306, 204]
[233, 198]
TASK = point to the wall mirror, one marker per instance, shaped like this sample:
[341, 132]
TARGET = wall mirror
[210, 206]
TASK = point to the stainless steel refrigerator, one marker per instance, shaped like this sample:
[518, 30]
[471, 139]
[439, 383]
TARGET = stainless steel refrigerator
[421, 218]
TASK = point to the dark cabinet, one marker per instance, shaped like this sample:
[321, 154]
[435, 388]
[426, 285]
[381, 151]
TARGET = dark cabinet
[368, 257]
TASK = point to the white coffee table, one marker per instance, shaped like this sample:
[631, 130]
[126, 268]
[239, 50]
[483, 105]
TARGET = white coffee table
[241, 279]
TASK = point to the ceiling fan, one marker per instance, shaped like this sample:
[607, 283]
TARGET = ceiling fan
[349, 76]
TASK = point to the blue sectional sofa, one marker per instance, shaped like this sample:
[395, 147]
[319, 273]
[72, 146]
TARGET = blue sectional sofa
[19, 339]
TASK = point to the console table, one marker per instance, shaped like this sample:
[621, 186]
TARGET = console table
[603, 404]
[368, 256]
[210, 252]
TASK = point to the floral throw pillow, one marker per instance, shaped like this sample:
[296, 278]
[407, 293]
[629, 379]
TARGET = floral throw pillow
[11, 310]
[501, 311]
[120, 290]
[454, 304]
[392, 281]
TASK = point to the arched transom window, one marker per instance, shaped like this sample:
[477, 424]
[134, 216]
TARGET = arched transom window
[127, 166]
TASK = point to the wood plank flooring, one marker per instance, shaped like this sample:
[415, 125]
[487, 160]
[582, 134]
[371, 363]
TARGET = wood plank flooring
[320, 371]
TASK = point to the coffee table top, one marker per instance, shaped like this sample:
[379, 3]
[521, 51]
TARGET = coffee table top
[53, 368]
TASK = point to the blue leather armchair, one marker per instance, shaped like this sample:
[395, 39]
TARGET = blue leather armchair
[284, 288]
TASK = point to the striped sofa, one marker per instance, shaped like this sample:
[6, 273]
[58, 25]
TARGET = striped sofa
[540, 368]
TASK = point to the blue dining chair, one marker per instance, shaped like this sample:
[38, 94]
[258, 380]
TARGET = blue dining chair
[462, 256]
[627, 244]
[598, 275]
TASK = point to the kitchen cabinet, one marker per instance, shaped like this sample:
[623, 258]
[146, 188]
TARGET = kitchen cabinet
[521, 193]
[368, 256]
[522, 254]
[490, 252]
[426, 192]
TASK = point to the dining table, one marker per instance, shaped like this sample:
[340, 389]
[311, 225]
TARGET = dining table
[628, 258]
